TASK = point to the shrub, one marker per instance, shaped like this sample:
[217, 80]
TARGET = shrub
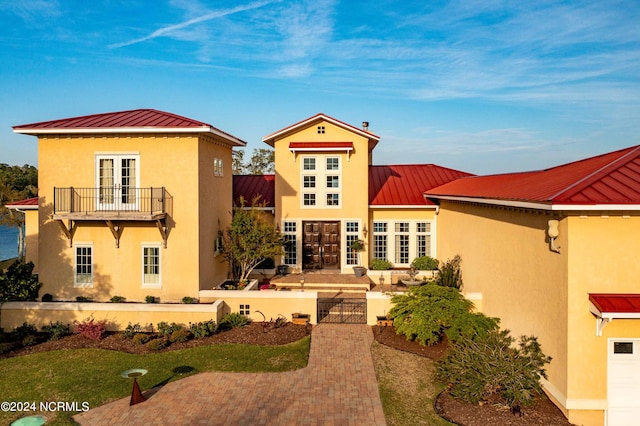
[165, 329]
[90, 328]
[20, 332]
[57, 331]
[180, 336]
[131, 330]
[150, 299]
[490, 368]
[117, 299]
[380, 264]
[156, 344]
[47, 297]
[425, 263]
[450, 275]
[140, 338]
[19, 282]
[429, 312]
[233, 320]
[188, 300]
[29, 340]
[82, 299]
[203, 329]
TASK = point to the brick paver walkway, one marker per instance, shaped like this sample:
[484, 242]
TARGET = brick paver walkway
[338, 387]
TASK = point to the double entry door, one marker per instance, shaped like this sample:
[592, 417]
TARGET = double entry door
[321, 245]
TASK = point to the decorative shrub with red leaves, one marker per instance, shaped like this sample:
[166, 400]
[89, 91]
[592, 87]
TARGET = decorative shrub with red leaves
[90, 328]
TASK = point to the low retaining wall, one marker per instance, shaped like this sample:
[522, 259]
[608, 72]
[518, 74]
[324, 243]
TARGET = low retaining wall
[257, 305]
[270, 302]
[117, 315]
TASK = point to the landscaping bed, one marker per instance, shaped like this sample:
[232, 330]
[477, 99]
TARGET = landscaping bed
[253, 334]
[542, 412]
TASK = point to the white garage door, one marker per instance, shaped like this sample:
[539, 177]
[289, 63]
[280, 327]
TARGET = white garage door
[623, 382]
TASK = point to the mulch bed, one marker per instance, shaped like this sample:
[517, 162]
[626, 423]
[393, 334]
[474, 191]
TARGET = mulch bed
[253, 334]
[542, 412]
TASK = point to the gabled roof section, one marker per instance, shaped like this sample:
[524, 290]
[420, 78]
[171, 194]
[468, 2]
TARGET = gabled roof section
[133, 121]
[270, 139]
[250, 186]
[404, 184]
[604, 182]
[27, 204]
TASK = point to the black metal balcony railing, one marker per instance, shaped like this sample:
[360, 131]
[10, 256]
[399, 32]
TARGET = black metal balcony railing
[151, 201]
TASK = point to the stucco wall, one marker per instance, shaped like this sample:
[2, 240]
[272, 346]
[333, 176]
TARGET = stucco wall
[602, 259]
[165, 160]
[506, 259]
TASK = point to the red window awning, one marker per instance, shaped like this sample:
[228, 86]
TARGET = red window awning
[609, 306]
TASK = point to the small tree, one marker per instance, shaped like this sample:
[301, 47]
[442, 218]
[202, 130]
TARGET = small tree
[251, 238]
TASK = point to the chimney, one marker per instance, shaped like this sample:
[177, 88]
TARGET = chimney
[365, 126]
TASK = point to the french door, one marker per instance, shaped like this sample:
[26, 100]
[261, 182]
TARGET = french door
[117, 181]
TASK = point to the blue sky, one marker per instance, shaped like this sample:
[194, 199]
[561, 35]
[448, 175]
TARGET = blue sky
[485, 87]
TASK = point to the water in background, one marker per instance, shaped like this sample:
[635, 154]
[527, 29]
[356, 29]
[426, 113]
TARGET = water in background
[8, 242]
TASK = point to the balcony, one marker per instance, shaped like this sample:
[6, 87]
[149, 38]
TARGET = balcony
[113, 205]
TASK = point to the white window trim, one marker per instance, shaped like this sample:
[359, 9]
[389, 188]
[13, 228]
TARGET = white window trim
[159, 247]
[374, 233]
[297, 234]
[413, 241]
[345, 248]
[76, 284]
[218, 167]
[321, 173]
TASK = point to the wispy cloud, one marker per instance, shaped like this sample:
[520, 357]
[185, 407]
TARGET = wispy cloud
[173, 29]
[31, 10]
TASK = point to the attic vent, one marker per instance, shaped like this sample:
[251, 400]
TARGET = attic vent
[320, 129]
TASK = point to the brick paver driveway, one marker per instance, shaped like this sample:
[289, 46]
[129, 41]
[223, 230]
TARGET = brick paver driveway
[338, 387]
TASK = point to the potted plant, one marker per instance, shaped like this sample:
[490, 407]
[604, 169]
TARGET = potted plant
[357, 246]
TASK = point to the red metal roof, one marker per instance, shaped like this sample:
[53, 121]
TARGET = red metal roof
[612, 178]
[27, 204]
[250, 186]
[307, 146]
[615, 303]
[138, 119]
[404, 185]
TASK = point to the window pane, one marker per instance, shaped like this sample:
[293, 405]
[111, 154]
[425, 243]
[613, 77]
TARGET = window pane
[380, 247]
[402, 227]
[309, 181]
[379, 226]
[151, 265]
[84, 265]
[290, 227]
[333, 163]
[309, 199]
[309, 164]
[352, 227]
[402, 249]
[333, 182]
[333, 200]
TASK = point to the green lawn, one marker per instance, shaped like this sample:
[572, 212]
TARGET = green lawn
[93, 375]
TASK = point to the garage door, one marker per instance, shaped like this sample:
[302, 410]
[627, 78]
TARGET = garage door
[623, 382]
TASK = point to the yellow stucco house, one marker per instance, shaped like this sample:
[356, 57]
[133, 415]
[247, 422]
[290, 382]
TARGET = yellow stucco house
[130, 204]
